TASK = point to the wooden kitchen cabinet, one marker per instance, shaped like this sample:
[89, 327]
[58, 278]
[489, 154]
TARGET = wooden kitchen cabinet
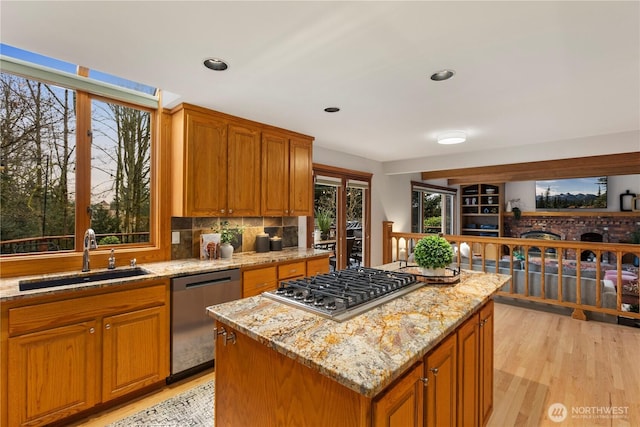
[300, 177]
[401, 405]
[228, 166]
[292, 270]
[318, 266]
[459, 374]
[63, 353]
[286, 175]
[485, 389]
[124, 335]
[468, 367]
[243, 173]
[216, 165]
[440, 369]
[257, 281]
[52, 373]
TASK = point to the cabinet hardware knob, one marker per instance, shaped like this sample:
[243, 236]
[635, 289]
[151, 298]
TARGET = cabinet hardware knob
[221, 331]
[425, 381]
[230, 211]
[434, 370]
[107, 326]
[92, 330]
[221, 210]
[230, 337]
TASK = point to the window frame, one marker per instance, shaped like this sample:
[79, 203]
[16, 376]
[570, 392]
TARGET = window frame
[422, 187]
[158, 248]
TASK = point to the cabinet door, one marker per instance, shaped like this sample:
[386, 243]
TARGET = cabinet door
[52, 374]
[468, 345]
[486, 362]
[243, 174]
[300, 178]
[317, 266]
[402, 404]
[440, 371]
[205, 176]
[275, 174]
[135, 351]
[255, 282]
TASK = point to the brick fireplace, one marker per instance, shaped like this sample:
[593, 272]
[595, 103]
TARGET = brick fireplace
[614, 228]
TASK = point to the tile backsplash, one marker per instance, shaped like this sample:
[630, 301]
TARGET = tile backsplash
[190, 229]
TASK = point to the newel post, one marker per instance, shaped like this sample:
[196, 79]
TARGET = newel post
[387, 254]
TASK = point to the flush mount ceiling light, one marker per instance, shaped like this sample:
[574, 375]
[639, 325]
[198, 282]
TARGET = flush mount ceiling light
[453, 137]
[441, 75]
[332, 109]
[215, 64]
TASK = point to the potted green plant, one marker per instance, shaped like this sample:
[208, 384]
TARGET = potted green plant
[433, 254]
[324, 219]
[228, 235]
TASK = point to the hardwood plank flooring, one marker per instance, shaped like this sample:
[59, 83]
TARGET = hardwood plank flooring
[544, 358]
[541, 358]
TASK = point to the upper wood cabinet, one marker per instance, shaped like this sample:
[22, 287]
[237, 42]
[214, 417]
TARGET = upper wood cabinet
[243, 174]
[287, 180]
[216, 165]
[227, 166]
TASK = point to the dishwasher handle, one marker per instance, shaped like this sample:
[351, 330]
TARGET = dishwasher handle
[208, 282]
[205, 279]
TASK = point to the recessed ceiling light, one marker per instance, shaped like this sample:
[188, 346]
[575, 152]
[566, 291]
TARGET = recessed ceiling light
[452, 137]
[332, 109]
[441, 75]
[215, 64]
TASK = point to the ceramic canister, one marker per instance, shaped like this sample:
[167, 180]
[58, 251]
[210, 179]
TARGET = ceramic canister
[276, 244]
[262, 243]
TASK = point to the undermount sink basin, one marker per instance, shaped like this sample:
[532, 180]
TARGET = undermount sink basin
[27, 285]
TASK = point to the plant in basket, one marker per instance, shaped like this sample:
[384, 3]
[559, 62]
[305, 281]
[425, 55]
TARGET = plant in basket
[433, 254]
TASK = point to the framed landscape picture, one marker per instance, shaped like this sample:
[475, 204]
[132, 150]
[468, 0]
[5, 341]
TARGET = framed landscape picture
[574, 193]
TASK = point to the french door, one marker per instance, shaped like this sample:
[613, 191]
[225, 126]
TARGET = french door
[345, 196]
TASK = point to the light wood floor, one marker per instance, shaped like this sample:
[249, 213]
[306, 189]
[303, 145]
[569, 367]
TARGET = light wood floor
[540, 359]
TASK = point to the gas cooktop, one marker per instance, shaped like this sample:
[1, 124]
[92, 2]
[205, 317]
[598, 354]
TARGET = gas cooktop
[344, 294]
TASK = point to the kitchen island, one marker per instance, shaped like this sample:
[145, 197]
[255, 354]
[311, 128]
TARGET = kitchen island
[279, 365]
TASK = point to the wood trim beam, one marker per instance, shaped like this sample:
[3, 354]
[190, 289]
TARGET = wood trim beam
[577, 167]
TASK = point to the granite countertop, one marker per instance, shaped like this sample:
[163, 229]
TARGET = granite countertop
[369, 351]
[9, 287]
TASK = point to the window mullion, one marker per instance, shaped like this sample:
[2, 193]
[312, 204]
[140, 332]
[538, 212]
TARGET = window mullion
[83, 165]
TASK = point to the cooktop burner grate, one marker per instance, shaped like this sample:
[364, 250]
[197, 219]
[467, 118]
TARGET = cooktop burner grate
[346, 293]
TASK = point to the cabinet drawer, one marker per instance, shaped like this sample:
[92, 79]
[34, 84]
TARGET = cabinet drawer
[294, 269]
[74, 310]
[255, 282]
[317, 266]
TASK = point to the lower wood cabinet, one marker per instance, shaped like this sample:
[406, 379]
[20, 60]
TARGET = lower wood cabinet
[485, 362]
[459, 374]
[126, 363]
[401, 405]
[258, 280]
[441, 384]
[52, 373]
[67, 356]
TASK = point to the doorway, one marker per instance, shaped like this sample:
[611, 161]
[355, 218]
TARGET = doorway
[344, 196]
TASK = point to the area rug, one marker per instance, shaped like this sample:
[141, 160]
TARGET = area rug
[190, 408]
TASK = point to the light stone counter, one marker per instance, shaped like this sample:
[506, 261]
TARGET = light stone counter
[9, 289]
[369, 351]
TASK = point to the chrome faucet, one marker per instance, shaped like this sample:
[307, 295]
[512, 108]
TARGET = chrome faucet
[89, 243]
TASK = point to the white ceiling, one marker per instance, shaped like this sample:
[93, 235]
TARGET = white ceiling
[526, 72]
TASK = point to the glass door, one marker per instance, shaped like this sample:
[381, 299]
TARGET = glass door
[343, 197]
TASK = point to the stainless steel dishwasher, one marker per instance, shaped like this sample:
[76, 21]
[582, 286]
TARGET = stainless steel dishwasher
[192, 330]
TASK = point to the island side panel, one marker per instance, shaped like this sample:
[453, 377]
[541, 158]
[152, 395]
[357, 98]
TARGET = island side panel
[257, 386]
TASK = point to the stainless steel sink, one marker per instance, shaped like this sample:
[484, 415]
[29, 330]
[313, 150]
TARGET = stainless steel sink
[27, 285]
